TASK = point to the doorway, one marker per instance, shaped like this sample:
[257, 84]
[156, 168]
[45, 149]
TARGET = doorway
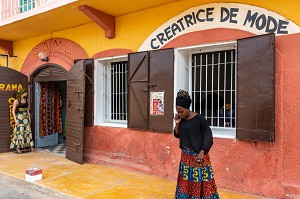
[50, 98]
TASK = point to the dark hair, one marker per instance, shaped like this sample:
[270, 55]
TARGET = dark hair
[183, 99]
[19, 93]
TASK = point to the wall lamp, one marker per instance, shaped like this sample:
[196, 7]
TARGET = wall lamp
[43, 56]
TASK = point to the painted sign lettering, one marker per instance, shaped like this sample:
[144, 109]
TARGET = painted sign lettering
[53, 45]
[11, 117]
[220, 15]
[10, 87]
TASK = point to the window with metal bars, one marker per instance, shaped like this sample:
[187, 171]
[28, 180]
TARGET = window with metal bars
[111, 91]
[212, 85]
[115, 92]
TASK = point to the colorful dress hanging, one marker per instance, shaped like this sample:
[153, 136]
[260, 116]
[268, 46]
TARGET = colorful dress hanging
[50, 105]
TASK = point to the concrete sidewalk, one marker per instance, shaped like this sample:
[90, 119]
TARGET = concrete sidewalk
[93, 181]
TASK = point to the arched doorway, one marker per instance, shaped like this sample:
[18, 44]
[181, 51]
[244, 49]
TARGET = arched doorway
[48, 100]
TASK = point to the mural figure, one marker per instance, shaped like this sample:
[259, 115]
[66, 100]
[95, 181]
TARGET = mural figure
[22, 137]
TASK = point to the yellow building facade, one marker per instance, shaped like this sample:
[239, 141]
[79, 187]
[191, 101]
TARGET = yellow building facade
[261, 159]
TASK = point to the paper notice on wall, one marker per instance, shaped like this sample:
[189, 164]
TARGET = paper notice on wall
[156, 103]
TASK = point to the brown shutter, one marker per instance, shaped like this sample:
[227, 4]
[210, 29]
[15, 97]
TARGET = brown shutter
[138, 90]
[8, 77]
[89, 92]
[256, 89]
[75, 112]
[162, 80]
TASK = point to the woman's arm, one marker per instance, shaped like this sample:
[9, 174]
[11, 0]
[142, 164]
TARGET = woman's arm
[29, 118]
[207, 137]
[14, 111]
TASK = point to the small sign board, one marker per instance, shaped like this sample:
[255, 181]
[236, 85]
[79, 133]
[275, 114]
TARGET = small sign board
[157, 103]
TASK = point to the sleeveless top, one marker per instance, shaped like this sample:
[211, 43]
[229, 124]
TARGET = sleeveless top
[22, 106]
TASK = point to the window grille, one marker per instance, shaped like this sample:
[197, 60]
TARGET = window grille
[213, 87]
[115, 92]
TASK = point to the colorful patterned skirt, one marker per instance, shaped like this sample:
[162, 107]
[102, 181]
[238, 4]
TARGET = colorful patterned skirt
[22, 137]
[195, 180]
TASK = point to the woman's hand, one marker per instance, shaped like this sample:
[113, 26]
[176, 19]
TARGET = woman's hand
[177, 119]
[16, 122]
[200, 156]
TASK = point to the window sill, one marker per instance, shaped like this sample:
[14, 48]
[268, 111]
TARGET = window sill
[224, 132]
[110, 124]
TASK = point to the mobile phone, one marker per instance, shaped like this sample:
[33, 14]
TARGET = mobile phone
[176, 116]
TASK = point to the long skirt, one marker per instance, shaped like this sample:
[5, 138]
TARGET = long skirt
[195, 180]
[22, 136]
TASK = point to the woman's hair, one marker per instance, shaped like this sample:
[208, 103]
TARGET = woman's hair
[183, 99]
[184, 94]
[19, 93]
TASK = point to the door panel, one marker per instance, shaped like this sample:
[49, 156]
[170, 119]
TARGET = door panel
[161, 79]
[89, 92]
[75, 112]
[138, 90]
[256, 88]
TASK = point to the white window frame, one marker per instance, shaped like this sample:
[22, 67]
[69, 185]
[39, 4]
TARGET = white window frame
[182, 80]
[99, 119]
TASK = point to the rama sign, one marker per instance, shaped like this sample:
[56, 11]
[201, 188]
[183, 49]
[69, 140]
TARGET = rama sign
[220, 15]
[10, 82]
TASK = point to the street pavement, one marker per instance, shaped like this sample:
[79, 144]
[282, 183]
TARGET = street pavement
[14, 188]
[87, 181]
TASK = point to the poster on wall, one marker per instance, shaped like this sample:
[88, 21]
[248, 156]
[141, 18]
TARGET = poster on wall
[157, 103]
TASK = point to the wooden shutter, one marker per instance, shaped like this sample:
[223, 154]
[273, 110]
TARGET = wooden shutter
[256, 88]
[75, 112]
[161, 79]
[89, 92]
[138, 90]
[9, 82]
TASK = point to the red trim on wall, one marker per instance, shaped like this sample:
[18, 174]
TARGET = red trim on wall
[102, 19]
[207, 36]
[60, 51]
[111, 53]
[6, 46]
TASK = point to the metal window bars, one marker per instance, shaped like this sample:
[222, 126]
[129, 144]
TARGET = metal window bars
[115, 92]
[213, 87]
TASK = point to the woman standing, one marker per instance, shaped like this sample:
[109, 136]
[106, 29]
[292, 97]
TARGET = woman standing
[195, 176]
[22, 131]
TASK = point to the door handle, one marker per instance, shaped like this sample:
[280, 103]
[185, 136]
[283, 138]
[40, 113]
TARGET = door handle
[151, 85]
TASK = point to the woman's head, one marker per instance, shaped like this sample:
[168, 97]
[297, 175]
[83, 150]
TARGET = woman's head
[21, 93]
[183, 102]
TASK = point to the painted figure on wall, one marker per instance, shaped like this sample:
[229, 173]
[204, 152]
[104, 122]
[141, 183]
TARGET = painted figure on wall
[22, 137]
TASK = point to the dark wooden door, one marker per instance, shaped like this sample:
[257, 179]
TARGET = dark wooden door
[161, 79]
[10, 81]
[89, 92]
[75, 112]
[138, 90]
[256, 88]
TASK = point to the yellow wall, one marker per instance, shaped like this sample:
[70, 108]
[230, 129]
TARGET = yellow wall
[132, 29]
[3, 61]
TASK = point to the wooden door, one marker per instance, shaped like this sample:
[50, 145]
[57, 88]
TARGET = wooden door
[75, 112]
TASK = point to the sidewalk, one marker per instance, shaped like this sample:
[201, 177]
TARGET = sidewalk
[90, 181]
